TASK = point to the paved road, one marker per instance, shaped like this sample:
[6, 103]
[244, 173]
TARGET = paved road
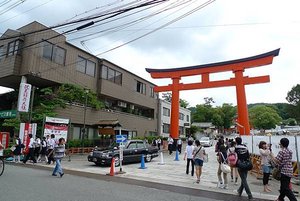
[27, 184]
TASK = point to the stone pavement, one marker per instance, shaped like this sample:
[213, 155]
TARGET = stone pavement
[173, 173]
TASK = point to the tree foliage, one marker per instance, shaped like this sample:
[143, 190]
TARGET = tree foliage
[264, 117]
[293, 97]
[168, 97]
[48, 99]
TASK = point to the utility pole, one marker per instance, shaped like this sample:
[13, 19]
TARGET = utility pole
[84, 118]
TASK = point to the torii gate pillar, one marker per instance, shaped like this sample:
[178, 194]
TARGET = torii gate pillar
[239, 81]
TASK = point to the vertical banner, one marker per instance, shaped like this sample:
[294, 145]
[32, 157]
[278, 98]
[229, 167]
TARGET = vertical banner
[25, 130]
[24, 97]
[4, 139]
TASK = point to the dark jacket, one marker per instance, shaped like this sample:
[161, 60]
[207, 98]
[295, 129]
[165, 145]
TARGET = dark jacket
[242, 152]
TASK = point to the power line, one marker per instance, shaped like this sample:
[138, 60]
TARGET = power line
[114, 13]
[40, 5]
[10, 7]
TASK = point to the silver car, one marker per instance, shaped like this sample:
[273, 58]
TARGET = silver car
[206, 142]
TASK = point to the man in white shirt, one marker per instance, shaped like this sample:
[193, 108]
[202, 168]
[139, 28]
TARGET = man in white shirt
[30, 155]
[179, 145]
[51, 145]
[170, 144]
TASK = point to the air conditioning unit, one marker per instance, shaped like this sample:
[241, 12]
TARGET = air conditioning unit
[122, 104]
[132, 107]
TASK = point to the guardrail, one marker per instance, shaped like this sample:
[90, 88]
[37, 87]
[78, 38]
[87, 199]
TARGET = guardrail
[79, 150]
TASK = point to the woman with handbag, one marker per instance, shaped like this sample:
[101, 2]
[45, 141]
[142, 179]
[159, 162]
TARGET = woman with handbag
[265, 163]
[244, 165]
[284, 160]
[222, 157]
[198, 154]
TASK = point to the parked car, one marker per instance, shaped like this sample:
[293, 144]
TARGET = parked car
[206, 142]
[132, 152]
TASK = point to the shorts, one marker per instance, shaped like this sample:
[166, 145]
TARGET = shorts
[266, 169]
[198, 162]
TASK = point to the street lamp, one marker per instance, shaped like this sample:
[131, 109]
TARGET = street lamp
[84, 117]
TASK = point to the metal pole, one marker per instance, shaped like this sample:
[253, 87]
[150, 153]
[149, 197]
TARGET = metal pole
[121, 150]
[31, 103]
[84, 117]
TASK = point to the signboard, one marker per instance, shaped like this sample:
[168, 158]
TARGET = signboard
[24, 97]
[4, 139]
[121, 138]
[5, 114]
[57, 120]
[59, 130]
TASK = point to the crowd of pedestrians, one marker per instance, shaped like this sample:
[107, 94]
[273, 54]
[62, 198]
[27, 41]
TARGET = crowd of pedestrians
[47, 149]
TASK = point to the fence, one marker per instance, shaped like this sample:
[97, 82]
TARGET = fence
[252, 143]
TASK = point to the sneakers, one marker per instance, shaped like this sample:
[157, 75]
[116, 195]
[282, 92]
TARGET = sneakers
[220, 185]
[54, 175]
[225, 186]
[235, 183]
[61, 174]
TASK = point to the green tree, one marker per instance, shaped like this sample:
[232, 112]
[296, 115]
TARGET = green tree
[263, 117]
[293, 97]
[168, 97]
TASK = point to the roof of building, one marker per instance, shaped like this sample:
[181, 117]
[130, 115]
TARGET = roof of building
[108, 123]
[260, 56]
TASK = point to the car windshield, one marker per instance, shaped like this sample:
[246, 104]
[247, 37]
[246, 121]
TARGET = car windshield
[204, 139]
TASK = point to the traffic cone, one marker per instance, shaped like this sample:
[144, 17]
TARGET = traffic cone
[142, 162]
[176, 156]
[112, 167]
[161, 159]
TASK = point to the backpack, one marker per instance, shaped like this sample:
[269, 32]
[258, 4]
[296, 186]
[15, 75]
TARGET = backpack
[232, 159]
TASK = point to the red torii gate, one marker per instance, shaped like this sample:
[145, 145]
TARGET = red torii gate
[239, 81]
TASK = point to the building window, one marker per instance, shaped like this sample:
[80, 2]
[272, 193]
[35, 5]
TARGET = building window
[86, 66]
[14, 47]
[111, 75]
[152, 92]
[140, 87]
[166, 111]
[166, 128]
[187, 118]
[54, 53]
[2, 52]
[181, 116]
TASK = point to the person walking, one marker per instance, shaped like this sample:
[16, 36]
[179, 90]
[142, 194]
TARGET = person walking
[43, 153]
[170, 144]
[51, 145]
[232, 159]
[30, 155]
[158, 143]
[284, 160]
[18, 150]
[59, 153]
[198, 154]
[243, 156]
[222, 157]
[265, 163]
[179, 145]
[188, 156]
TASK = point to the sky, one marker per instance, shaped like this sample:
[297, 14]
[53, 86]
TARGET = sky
[221, 31]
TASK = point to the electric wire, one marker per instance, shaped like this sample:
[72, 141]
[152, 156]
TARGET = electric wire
[10, 7]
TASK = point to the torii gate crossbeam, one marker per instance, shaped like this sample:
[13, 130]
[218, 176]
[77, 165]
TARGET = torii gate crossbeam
[239, 81]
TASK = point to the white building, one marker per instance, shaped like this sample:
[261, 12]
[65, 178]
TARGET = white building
[164, 119]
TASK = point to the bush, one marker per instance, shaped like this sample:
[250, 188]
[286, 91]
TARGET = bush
[7, 152]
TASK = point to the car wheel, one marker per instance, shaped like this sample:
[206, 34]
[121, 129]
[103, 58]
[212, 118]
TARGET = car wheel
[117, 161]
[148, 158]
[98, 164]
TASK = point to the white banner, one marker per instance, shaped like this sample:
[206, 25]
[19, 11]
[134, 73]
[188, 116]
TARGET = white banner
[247, 140]
[256, 141]
[24, 97]
[275, 140]
[57, 120]
[58, 131]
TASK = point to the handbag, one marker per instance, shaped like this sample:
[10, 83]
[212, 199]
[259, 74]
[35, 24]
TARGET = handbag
[225, 168]
[276, 173]
[245, 165]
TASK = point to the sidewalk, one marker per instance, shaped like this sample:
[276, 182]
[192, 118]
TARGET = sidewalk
[173, 173]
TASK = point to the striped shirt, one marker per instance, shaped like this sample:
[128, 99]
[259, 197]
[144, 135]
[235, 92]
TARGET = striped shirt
[285, 161]
[59, 151]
